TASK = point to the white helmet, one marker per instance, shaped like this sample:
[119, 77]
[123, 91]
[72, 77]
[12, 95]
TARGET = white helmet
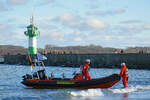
[88, 60]
[122, 64]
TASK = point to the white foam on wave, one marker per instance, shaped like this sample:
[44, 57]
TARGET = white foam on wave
[146, 87]
[87, 93]
[130, 89]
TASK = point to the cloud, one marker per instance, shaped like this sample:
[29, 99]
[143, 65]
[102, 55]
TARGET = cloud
[11, 20]
[55, 35]
[146, 26]
[107, 38]
[45, 2]
[9, 30]
[48, 1]
[45, 26]
[94, 4]
[80, 24]
[69, 20]
[17, 2]
[128, 29]
[5, 27]
[94, 30]
[2, 6]
[137, 28]
[122, 35]
[22, 26]
[96, 23]
[121, 38]
[78, 32]
[11, 34]
[131, 22]
[77, 39]
[133, 41]
[106, 13]
[52, 35]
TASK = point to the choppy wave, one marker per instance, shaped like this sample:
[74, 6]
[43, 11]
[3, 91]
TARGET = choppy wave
[89, 92]
[130, 89]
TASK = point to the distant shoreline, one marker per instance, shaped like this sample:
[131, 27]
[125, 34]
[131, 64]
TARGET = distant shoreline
[89, 49]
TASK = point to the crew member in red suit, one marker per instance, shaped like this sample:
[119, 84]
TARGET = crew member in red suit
[124, 74]
[85, 70]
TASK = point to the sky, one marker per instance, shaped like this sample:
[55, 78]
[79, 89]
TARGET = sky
[108, 23]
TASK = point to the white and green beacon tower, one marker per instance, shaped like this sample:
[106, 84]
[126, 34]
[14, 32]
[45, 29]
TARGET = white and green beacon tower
[32, 32]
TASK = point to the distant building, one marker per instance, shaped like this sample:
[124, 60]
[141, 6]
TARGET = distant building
[116, 51]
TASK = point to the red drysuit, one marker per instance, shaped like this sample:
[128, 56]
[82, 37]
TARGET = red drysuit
[85, 71]
[124, 75]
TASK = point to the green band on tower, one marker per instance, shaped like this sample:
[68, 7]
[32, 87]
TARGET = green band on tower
[32, 50]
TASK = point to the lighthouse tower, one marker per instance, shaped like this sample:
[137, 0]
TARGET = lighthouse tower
[32, 32]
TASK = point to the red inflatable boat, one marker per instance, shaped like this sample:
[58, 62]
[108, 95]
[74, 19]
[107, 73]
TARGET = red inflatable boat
[40, 80]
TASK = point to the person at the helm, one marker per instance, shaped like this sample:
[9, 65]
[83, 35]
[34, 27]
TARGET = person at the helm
[85, 69]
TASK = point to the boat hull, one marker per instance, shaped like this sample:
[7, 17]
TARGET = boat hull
[105, 82]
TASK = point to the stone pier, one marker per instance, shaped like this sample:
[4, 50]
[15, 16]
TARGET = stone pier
[135, 61]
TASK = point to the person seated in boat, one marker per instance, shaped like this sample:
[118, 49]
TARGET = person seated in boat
[124, 74]
[85, 70]
[77, 76]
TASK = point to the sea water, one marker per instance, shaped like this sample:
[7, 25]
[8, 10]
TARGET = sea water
[12, 89]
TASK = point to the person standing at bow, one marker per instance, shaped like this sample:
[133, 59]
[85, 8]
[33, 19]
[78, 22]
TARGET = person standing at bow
[85, 69]
[124, 74]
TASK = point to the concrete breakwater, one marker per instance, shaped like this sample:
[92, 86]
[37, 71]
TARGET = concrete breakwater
[135, 61]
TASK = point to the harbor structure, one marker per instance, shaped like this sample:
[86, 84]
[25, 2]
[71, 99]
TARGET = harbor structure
[32, 32]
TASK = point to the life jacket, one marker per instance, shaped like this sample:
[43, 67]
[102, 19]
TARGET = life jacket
[85, 68]
[125, 72]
